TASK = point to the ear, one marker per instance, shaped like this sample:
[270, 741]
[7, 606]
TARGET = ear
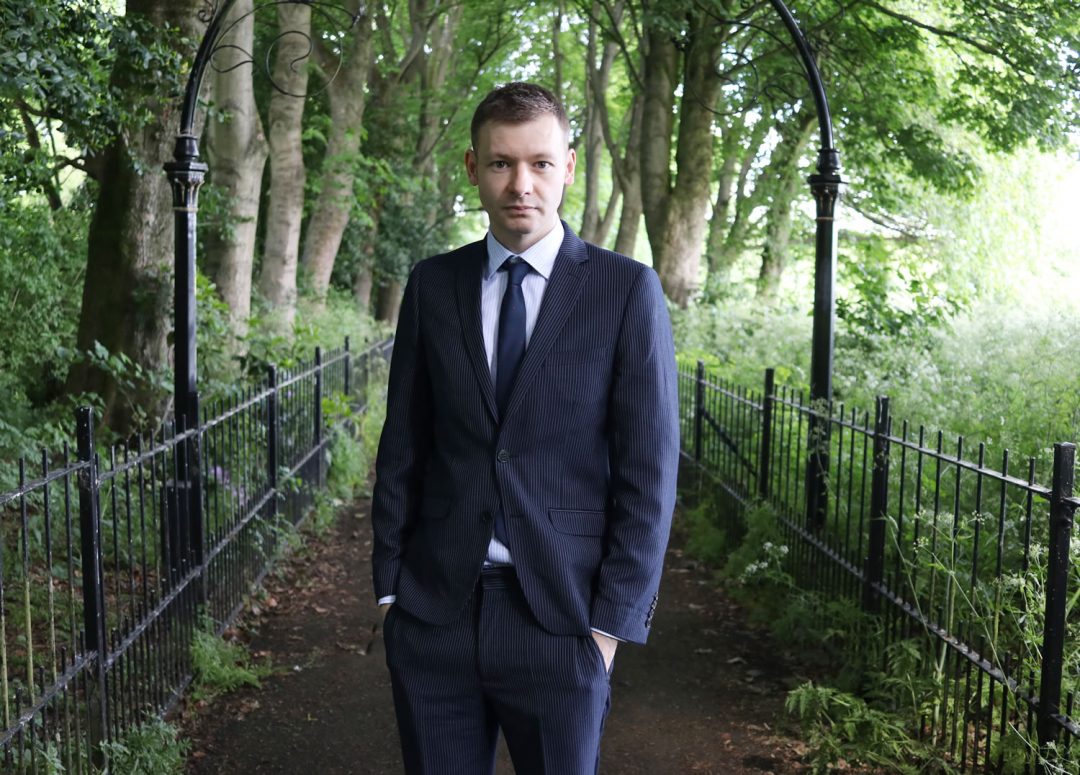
[571, 164]
[470, 166]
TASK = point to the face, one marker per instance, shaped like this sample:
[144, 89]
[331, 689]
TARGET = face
[521, 171]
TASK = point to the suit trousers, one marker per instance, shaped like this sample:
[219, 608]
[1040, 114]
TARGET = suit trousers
[495, 668]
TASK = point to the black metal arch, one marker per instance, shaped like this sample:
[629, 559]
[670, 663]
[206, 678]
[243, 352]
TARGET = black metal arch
[186, 174]
[825, 186]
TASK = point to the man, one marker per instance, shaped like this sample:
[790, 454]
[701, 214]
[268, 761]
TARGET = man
[525, 477]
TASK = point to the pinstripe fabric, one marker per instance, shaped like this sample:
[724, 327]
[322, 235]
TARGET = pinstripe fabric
[583, 462]
[495, 666]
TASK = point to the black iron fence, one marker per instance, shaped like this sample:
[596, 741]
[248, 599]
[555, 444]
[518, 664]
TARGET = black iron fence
[108, 562]
[967, 557]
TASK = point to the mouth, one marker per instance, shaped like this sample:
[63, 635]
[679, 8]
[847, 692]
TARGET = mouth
[519, 209]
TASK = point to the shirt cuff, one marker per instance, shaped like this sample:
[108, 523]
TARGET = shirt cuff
[607, 634]
[387, 600]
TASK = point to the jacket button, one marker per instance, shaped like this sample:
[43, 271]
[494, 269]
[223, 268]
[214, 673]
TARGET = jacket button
[503, 456]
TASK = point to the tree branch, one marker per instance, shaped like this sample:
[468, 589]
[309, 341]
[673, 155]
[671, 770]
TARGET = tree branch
[984, 47]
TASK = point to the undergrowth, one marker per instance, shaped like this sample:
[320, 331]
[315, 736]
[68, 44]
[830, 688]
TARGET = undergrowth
[222, 666]
[876, 699]
[151, 748]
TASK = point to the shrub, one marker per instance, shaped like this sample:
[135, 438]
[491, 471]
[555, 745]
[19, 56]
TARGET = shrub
[151, 747]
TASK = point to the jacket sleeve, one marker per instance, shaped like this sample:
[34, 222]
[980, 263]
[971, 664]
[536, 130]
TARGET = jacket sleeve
[403, 445]
[644, 457]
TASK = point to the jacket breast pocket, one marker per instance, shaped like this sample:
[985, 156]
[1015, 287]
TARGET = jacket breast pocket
[580, 376]
[578, 522]
[558, 358]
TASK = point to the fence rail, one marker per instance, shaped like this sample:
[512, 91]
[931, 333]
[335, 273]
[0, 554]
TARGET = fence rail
[108, 563]
[970, 562]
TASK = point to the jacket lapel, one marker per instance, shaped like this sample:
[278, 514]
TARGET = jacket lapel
[469, 274]
[560, 296]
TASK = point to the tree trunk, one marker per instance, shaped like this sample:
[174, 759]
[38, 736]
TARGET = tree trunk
[594, 138]
[556, 50]
[127, 295]
[388, 305]
[285, 208]
[362, 290]
[236, 150]
[719, 267]
[421, 75]
[336, 198]
[746, 199]
[675, 215]
[594, 227]
[629, 173]
[661, 76]
[785, 183]
[610, 211]
[629, 224]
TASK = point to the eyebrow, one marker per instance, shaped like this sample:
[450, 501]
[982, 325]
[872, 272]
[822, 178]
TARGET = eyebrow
[499, 156]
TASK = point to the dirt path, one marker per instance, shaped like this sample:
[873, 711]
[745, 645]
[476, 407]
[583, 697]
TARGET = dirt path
[704, 696]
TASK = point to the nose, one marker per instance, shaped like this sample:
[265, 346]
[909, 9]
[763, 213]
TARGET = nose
[520, 180]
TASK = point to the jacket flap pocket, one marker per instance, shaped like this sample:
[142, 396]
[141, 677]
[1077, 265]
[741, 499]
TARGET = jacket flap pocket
[578, 523]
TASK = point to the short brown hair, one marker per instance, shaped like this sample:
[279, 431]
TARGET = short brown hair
[516, 103]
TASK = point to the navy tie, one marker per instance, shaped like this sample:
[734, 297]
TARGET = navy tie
[511, 346]
[510, 349]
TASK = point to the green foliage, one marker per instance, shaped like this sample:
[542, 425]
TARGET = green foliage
[708, 536]
[51, 759]
[61, 96]
[878, 701]
[997, 373]
[745, 561]
[840, 727]
[894, 294]
[42, 258]
[355, 439]
[349, 461]
[222, 666]
[374, 416]
[228, 365]
[216, 220]
[740, 339]
[406, 234]
[151, 748]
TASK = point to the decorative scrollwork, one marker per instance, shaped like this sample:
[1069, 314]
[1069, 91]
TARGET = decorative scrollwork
[328, 50]
[208, 11]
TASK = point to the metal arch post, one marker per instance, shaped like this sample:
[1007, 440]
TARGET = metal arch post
[186, 174]
[825, 186]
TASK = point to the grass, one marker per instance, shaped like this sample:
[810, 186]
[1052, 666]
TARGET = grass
[222, 666]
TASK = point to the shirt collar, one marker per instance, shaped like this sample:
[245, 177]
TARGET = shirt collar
[541, 256]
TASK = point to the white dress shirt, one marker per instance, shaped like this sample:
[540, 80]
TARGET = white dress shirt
[541, 258]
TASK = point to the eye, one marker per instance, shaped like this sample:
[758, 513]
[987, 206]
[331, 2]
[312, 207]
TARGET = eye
[499, 165]
[544, 165]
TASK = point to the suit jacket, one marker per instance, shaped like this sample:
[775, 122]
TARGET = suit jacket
[583, 463]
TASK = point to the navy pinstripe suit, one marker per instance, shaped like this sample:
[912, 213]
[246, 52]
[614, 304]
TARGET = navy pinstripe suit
[583, 463]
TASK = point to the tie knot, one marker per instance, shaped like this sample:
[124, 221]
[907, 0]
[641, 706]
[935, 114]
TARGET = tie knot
[516, 268]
